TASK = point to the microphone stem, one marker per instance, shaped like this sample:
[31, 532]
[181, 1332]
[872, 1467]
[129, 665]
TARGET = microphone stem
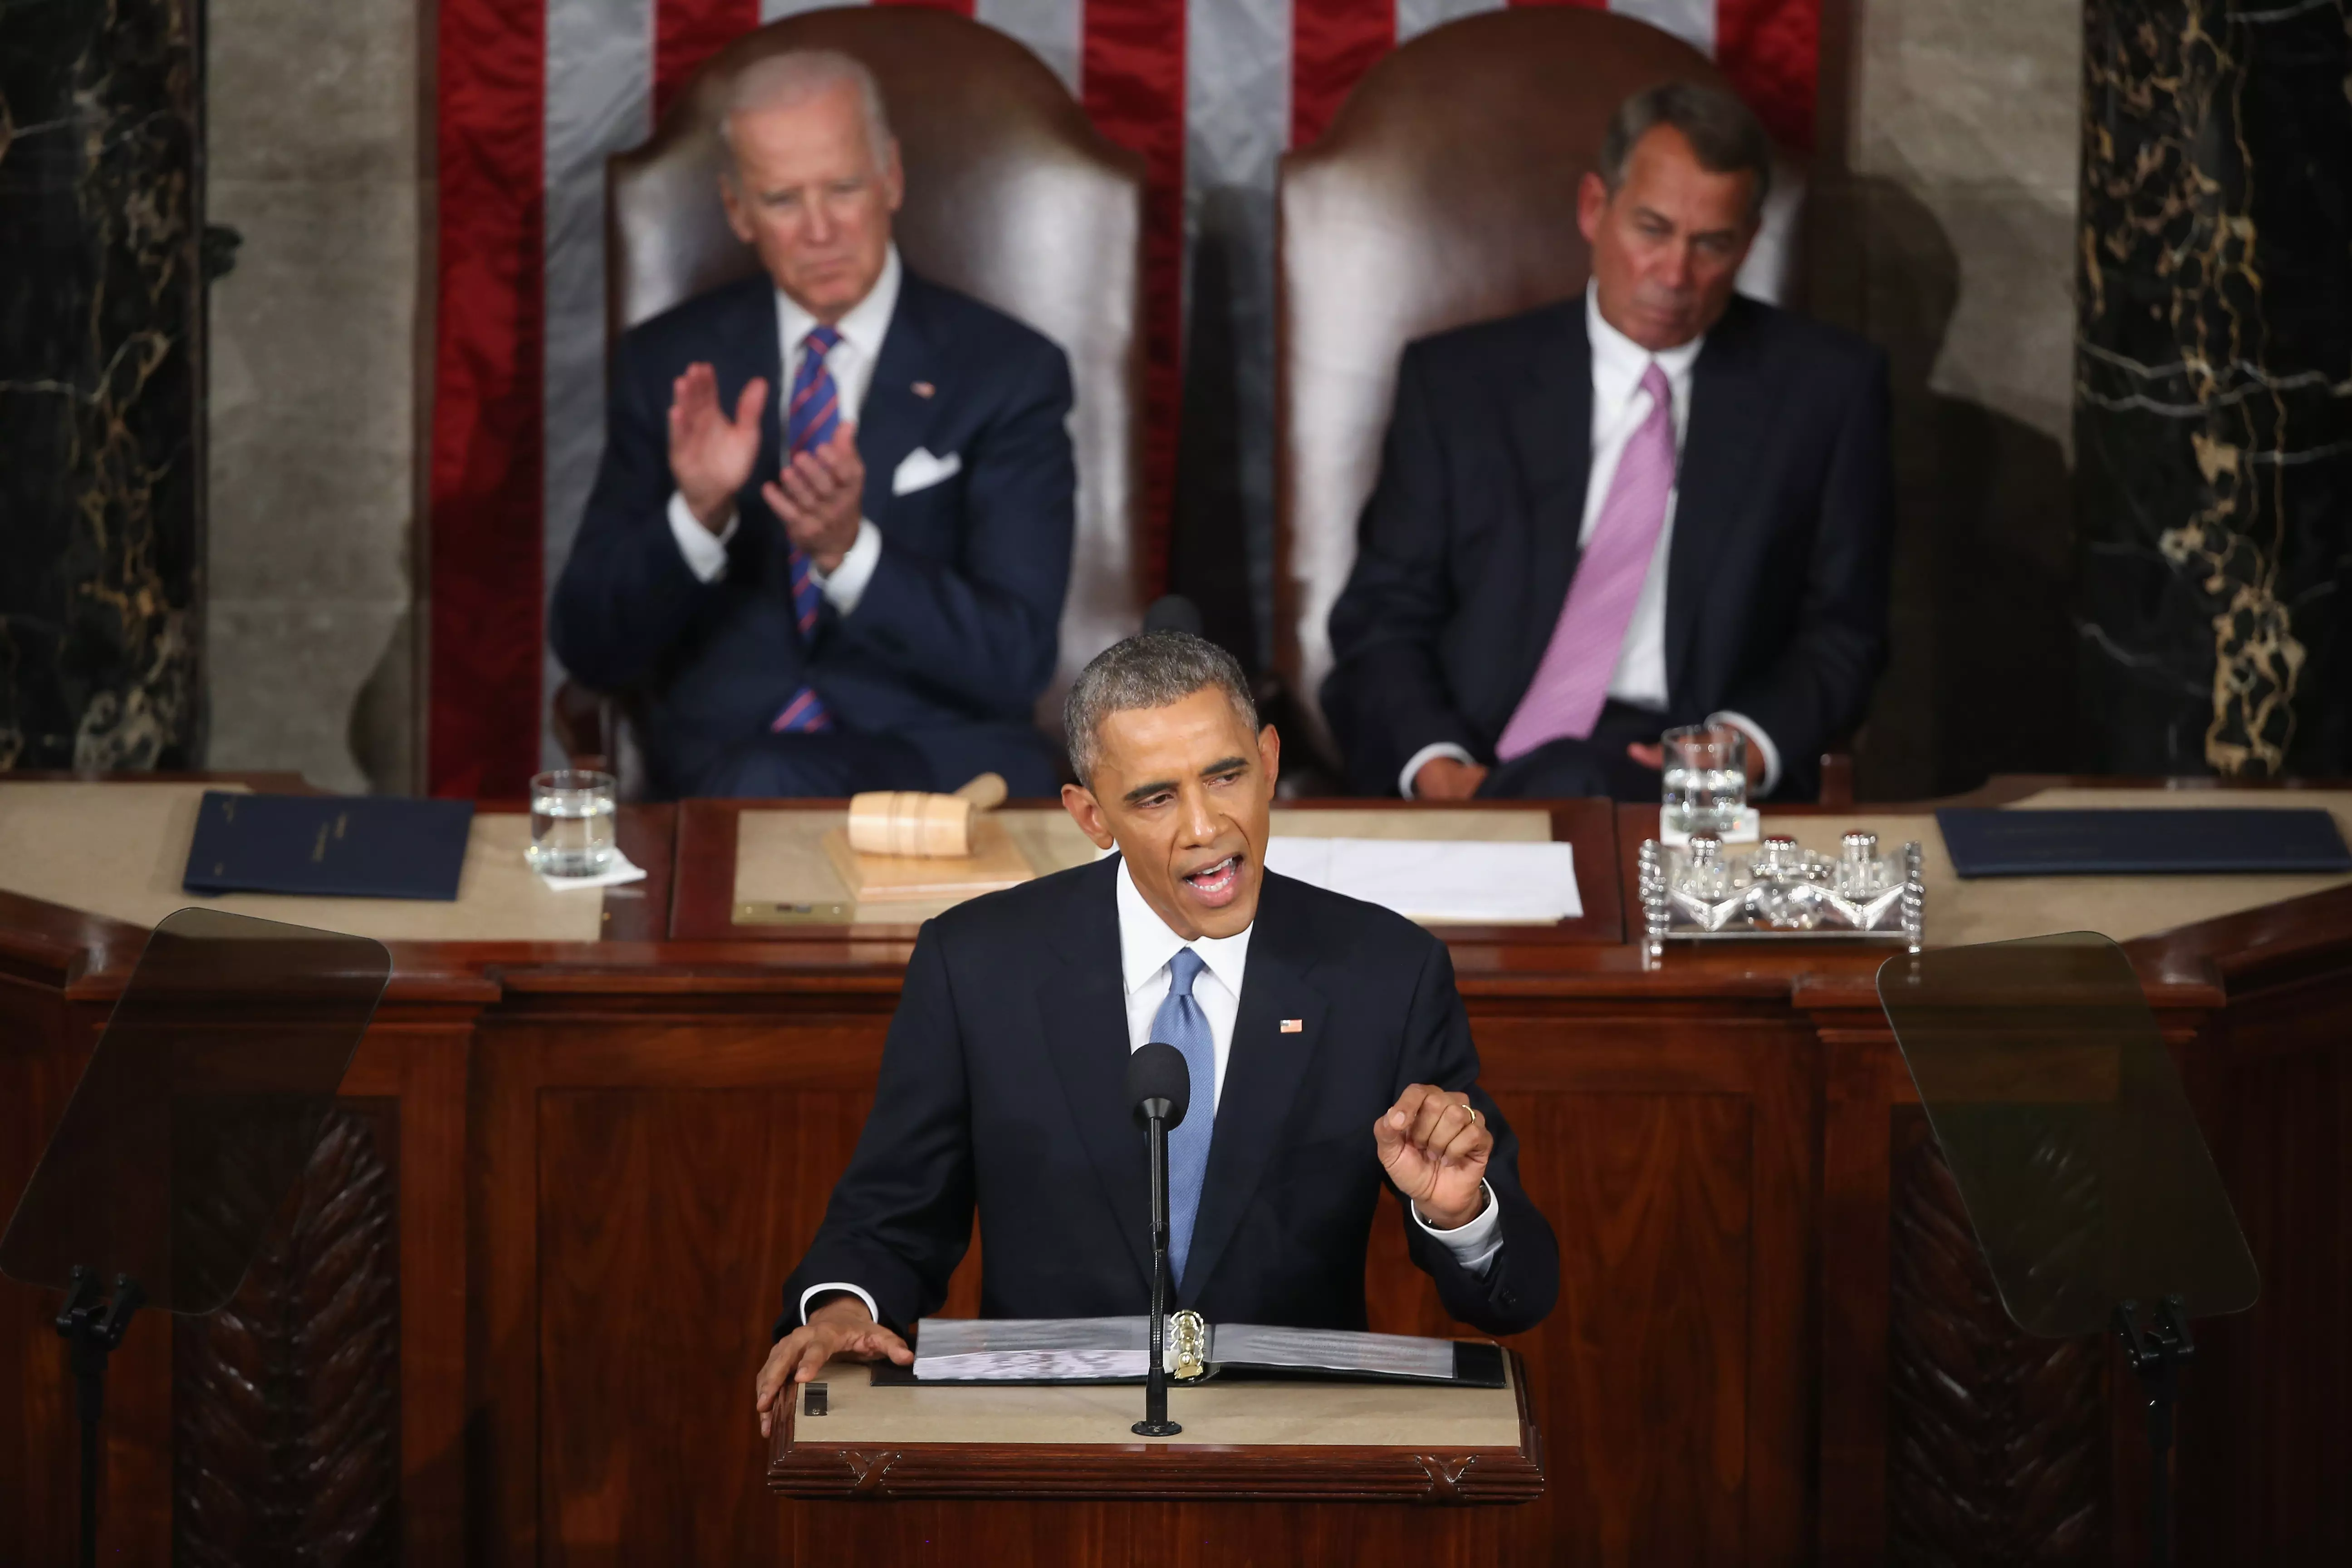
[1155, 1422]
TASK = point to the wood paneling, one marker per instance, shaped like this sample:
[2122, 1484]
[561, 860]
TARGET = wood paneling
[667, 1222]
[608, 1156]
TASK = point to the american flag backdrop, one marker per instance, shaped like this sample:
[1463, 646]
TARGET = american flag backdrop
[532, 95]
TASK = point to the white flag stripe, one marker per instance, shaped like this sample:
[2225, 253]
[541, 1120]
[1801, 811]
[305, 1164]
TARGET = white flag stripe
[1054, 30]
[1692, 21]
[599, 87]
[777, 10]
[1414, 17]
[1237, 68]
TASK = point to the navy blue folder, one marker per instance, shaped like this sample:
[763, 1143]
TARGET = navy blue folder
[2123, 841]
[351, 846]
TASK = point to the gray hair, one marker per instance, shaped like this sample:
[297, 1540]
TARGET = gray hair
[1722, 131]
[1153, 671]
[796, 75]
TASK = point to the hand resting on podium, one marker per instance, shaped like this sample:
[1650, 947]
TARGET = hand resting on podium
[841, 1327]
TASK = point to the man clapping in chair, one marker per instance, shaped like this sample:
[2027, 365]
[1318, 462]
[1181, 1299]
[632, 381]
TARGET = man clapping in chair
[830, 536]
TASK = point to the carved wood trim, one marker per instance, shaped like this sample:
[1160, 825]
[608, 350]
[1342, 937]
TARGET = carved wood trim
[286, 1403]
[1997, 1443]
[1176, 1472]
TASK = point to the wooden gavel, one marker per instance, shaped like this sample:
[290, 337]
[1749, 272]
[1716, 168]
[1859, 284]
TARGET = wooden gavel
[914, 824]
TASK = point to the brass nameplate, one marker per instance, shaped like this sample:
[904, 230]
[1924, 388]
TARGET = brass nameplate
[764, 914]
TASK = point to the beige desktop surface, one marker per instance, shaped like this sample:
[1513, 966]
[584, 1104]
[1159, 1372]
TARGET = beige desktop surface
[780, 856]
[1271, 1415]
[1996, 909]
[119, 850]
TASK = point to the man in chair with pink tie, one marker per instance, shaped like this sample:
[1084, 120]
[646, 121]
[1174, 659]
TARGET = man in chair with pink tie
[829, 539]
[1660, 504]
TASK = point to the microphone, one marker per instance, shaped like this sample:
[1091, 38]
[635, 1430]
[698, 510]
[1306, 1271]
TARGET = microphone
[1159, 1087]
[1173, 613]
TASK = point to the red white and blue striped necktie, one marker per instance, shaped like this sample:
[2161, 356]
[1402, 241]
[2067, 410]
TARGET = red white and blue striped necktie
[810, 420]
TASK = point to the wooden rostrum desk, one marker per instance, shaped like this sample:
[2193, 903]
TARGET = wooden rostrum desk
[540, 1251]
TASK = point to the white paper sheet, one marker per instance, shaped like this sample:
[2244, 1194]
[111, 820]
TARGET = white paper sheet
[1396, 1355]
[1031, 1349]
[1434, 879]
[622, 870]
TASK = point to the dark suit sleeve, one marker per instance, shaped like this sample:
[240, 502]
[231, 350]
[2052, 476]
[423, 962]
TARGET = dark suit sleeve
[1519, 1286]
[900, 1217]
[1819, 685]
[626, 595]
[1386, 697]
[986, 625]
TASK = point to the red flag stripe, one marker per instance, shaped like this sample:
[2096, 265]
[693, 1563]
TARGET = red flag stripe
[1771, 51]
[689, 32]
[1332, 43]
[485, 534]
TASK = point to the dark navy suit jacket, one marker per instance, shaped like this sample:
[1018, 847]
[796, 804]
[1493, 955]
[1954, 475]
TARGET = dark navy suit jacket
[1004, 1088]
[955, 636]
[1776, 580]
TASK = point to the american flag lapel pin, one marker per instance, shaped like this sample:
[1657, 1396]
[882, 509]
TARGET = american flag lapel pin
[1294, 1025]
[924, 389]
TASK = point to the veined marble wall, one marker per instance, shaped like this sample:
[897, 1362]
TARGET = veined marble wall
[101, 351]
[314, 140]
[2214, 386]
[1945, 232]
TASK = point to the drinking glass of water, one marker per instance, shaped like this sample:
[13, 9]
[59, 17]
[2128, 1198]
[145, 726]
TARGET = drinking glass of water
[570, 823]
[1706, 778]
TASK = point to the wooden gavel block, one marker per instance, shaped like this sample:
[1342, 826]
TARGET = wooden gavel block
[913, 823]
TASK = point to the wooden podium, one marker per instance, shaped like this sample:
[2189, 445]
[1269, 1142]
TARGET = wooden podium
[1053, 1474]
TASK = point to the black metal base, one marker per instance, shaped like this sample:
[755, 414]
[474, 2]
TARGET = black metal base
[93, 1327]
[2156, 1353]
[1156, 1429]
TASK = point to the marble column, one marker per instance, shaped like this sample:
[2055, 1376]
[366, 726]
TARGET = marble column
[100, 357]
[2213, 386]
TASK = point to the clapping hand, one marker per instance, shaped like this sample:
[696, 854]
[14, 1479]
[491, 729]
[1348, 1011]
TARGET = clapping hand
[819, 496]
[1434, 1146]
[711, 455]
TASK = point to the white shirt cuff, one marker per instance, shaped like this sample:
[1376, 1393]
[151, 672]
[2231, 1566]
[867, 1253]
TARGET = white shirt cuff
[872, 1310]
[1414, 763]
[1474, 1245]
[846, 583]
[1762, 742]
[705, 551]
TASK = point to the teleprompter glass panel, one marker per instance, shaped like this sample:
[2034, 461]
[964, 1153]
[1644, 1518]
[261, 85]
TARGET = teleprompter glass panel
[2065, 1124]
[202, 1104]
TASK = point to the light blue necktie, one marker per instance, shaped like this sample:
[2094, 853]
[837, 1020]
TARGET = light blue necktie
[1180, 1023]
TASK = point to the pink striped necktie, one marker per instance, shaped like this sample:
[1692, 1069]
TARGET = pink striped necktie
[1571, 683]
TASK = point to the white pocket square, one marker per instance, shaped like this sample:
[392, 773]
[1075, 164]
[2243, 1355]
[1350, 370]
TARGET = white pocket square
[921, 471]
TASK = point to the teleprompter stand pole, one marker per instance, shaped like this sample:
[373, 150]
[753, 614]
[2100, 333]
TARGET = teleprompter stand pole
[2156, 1353]
[1155, 1422]
[93, 1326]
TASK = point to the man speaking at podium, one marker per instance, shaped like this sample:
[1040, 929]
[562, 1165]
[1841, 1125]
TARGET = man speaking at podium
[1328, 1050]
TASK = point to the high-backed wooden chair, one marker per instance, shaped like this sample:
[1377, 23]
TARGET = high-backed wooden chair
[1445, 193]
[1012, 196]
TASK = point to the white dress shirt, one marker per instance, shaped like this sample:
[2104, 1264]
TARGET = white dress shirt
[851, 362]
[1619, 407]
[1146, 948]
